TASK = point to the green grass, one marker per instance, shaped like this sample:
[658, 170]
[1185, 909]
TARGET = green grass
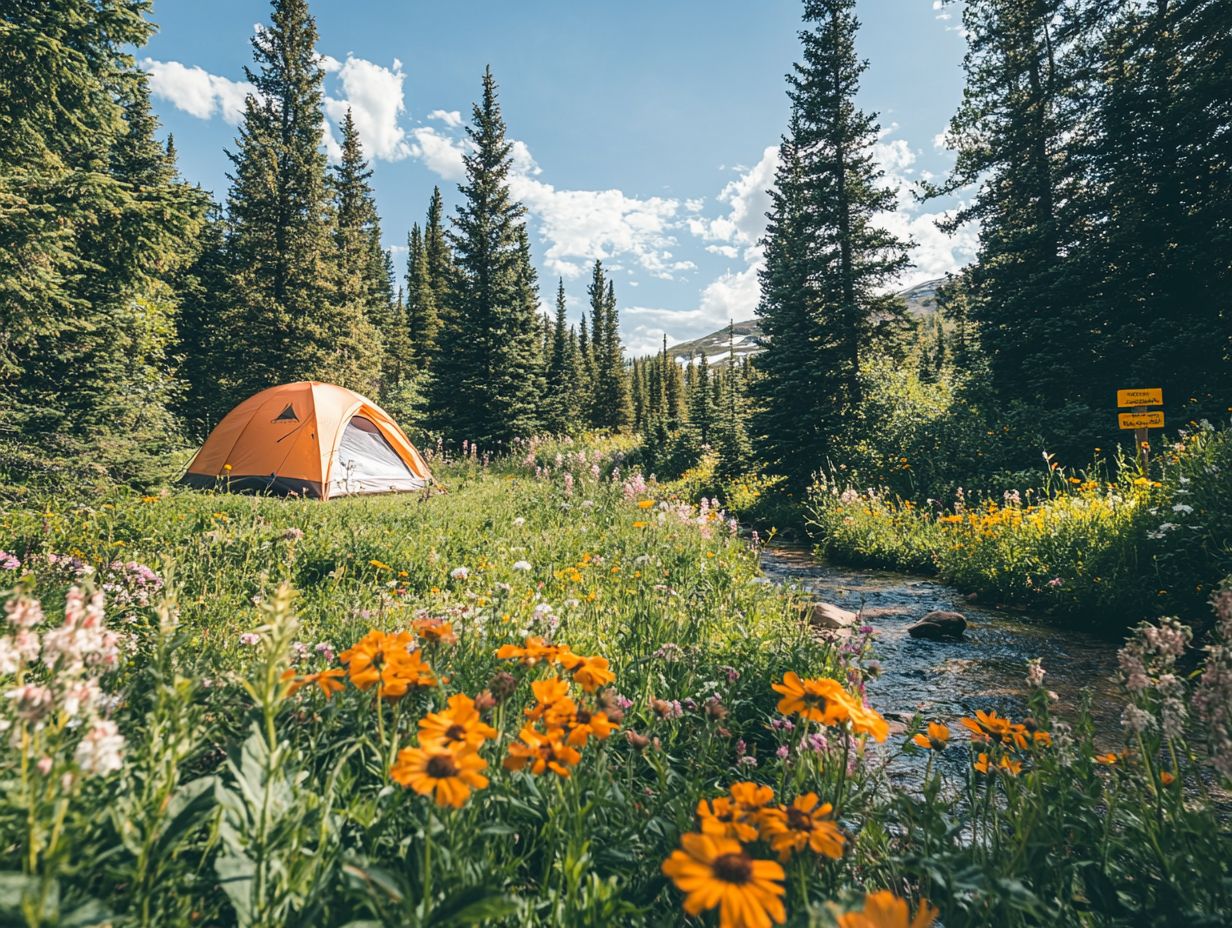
[238, 803]
[1092, 547]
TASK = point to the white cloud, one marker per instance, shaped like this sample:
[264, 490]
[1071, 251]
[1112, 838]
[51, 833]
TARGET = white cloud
[451, 118]
[441, 154]
[748, 199]
[935, 253]
[197, 92]
[330, 64]
[733, 294]
[727, 251]
[581, 226]
[643, 340]
[374, 95]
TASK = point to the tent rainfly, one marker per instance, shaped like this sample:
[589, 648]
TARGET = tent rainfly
[308, 439]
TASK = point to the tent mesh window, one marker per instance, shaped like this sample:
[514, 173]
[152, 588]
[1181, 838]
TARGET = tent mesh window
[368, 463]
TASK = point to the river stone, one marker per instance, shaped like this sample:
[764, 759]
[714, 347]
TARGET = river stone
[939, 625]
[828, 615]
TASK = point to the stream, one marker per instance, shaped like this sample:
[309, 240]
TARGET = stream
[945, 680]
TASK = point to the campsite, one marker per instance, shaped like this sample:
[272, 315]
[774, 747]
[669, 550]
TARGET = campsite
[634, 465]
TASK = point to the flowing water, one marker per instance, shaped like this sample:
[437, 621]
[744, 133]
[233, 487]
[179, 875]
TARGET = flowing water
[945, 680]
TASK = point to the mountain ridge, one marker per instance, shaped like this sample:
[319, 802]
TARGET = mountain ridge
[921, 300]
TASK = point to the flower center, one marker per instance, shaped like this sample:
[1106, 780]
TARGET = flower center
[733, 868]
[442, 767]
[799, 820]
[455, 732]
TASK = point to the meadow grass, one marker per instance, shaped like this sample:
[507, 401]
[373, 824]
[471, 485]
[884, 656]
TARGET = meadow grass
[254, 744]
[1103, 545]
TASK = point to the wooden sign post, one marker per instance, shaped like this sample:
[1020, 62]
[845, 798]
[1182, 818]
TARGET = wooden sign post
[1140, 419]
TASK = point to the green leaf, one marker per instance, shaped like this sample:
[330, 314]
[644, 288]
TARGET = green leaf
[468, 907]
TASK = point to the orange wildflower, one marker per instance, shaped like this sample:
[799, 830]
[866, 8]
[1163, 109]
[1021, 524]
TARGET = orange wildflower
[328, 681]
[404, 671]
[936, 739]
[450, 774]
[716, 872]
[460, 724]
[366, 657]
[818, 700]
[434, 631]
[542, 752]
[586, 724]
[589, 673]
[885, 910]
[535, 651]
[806, 823]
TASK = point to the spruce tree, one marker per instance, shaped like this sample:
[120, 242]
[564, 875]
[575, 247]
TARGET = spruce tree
[824, 300]
[486, 380]
[562, 389]
[94, 230]
[281, 254]
[673, 389]
[202, 330]
[1031, 307]
[731, 437]
[363, 289]
[610, 389]
[701, 401]
[423, 322]
[1159, 239]
[438, 253]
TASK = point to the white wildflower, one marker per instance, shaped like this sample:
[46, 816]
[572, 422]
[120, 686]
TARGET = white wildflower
[101, 751]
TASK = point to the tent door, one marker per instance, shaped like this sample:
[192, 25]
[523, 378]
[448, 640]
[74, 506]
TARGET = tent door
[367, 463]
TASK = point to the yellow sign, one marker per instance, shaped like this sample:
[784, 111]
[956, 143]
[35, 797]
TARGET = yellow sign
[1153, 396]
[1141, 420]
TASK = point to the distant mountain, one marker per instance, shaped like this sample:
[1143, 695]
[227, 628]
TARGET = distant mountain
[921, 301]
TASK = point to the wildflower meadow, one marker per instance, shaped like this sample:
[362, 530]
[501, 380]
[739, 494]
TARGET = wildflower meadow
[543, 694]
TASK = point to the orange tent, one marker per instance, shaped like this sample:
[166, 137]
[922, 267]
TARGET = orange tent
[311, 439]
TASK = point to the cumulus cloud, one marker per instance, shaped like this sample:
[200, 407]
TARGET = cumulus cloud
[642, 340]
[581, 226]
[197, 92]
[747, 198]
[451, 118]
[441, 153]
[374, 95]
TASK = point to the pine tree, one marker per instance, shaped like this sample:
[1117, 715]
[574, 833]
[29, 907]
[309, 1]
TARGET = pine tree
[94, 230]
[562, 388]
[487, 372]
[438, 252]
[363, 284]
[673, 389]
[423, 321]
[701, 401]
[586, 374]
[1158, 237]
[610, 389]
[731, 437]
[823, 302]
[637, 394]
[1030, 306]
[280, 244]
[202, 330]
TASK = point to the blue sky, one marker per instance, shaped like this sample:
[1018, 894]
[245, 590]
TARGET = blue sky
[645, 129]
